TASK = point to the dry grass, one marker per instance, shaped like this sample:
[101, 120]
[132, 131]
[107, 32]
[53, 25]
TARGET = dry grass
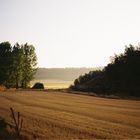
[2, 88]
[56, 115]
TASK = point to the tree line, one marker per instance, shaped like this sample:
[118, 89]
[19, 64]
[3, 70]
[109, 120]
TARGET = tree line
[17, 64]
[120, 77]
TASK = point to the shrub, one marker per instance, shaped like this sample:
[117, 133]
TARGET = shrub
[38, 86]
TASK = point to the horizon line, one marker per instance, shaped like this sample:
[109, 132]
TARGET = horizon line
[71, 67]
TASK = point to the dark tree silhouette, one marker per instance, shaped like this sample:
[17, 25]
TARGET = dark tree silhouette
[120, 77]
[5, 63]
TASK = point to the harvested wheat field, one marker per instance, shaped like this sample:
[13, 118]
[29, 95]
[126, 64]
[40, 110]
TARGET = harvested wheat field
[57, 115]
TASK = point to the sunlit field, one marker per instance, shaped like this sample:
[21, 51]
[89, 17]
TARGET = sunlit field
[56, 85]
[53, 84]
[61, 115]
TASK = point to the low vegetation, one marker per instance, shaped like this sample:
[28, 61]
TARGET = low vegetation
[38, 86]
[120, 77]
[18, 121]
[6, 128]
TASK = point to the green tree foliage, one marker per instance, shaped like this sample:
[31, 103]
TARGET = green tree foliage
[17, 64]
[29, 64]
[17, 57]
[121, 76]
[5, 63]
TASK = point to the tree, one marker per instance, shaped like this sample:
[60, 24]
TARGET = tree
[17, 64]
[120, 77]
[123, 72]
[17, 68]
[29, 64]
[5, 63]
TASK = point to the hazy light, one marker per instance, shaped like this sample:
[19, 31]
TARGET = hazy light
[71, 33]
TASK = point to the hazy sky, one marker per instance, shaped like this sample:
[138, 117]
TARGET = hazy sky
[71, 33]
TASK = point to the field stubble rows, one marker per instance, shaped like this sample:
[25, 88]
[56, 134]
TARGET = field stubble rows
[57, 115]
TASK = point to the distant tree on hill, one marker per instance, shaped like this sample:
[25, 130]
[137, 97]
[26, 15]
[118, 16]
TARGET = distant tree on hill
[84, 81]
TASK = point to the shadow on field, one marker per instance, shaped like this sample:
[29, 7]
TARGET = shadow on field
[12, 131]
[8, 133]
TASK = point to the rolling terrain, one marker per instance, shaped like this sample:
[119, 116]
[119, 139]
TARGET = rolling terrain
[64, 74]
[56, 78]
[60, 115]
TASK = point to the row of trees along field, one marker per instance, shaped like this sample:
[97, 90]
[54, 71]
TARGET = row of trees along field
[17, 64]
[120, 77]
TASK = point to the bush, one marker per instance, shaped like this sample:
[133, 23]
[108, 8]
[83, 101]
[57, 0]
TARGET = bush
[38, 86]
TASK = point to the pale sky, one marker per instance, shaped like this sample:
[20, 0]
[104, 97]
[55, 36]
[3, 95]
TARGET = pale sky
[71, 33]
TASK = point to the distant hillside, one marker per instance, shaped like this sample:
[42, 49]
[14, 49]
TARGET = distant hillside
[66, 74]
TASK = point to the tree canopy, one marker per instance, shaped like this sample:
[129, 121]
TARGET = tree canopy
[17, 64]
[121, 76]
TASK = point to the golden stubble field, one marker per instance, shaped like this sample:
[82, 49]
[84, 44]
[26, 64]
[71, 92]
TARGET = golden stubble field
[64, 116]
